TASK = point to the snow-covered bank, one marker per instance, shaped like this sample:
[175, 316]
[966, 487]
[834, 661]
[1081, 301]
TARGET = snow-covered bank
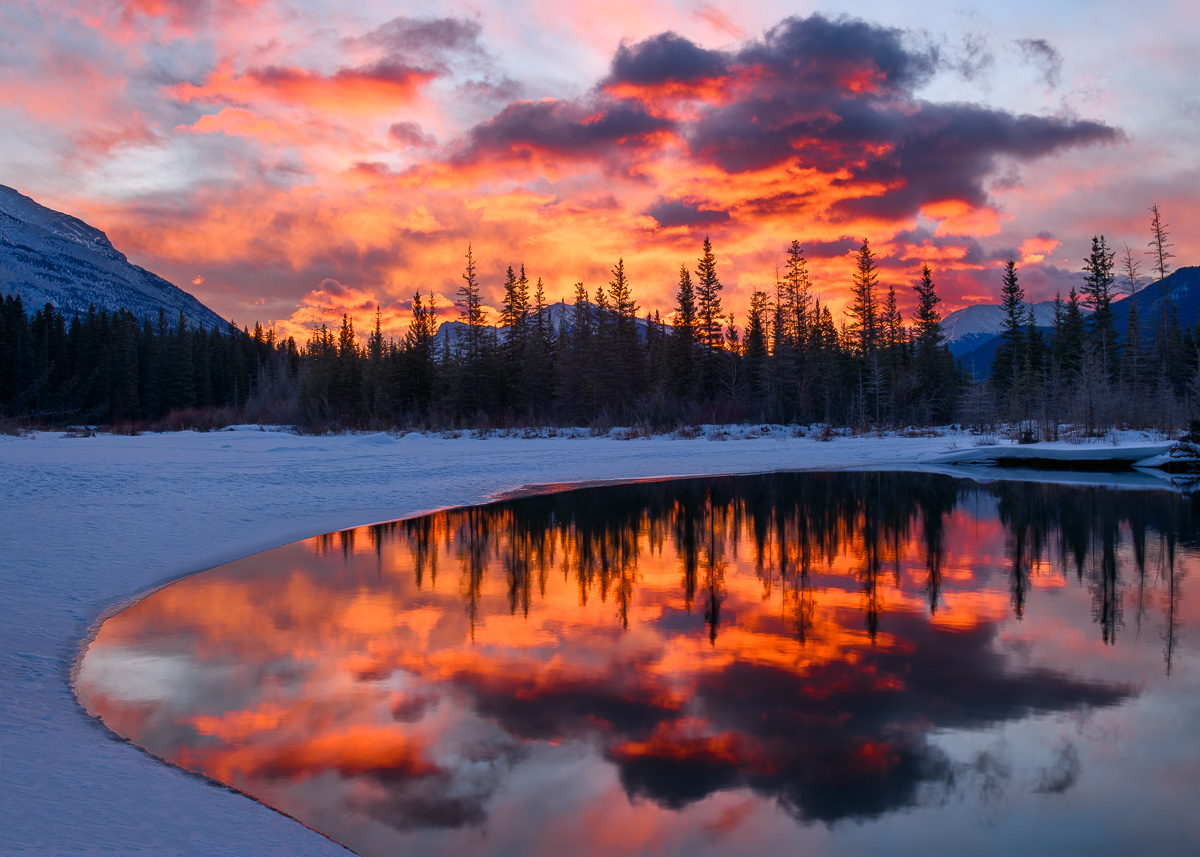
[86, 523]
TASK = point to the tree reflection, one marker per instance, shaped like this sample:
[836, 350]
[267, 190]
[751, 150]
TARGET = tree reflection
[800, 637]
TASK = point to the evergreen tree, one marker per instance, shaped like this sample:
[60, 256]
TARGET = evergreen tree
[864, 306]
[627, 345]
[934, 364]
[1097, 296]
[476, 388]
[755, 345]
[708, 312]
[538, 369]
[1069, 338]
[1010, 356]
[708, 298]
[1133, 367]
[683, 348]
[374, 396]
[421, 361]
[796, 291]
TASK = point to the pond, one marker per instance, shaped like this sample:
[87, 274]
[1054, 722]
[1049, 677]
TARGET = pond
[818, 663]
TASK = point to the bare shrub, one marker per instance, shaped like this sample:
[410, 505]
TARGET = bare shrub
[197, 419]
[127, 428]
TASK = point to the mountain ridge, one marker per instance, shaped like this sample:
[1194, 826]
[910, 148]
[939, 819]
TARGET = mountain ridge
[47, 256]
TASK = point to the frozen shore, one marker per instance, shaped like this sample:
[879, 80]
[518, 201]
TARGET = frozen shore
[88, 523]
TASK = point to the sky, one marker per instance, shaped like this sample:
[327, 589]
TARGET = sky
[290, 160]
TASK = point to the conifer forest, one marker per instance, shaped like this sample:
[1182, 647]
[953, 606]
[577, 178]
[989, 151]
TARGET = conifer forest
[603, 360]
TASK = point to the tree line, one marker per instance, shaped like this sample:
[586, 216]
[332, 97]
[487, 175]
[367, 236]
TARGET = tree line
[600, 361]
[104, 367]
[1083, 372]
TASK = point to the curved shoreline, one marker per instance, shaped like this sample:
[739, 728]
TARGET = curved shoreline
[96, 524]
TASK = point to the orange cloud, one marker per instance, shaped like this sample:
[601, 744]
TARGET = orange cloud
[369, 90]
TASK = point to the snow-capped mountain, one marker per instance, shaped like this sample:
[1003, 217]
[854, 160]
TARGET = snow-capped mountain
[48, 256]
[970, 327]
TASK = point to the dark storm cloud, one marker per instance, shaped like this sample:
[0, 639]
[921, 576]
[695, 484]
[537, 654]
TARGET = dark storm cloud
[665, 58]
[839, 743]
[831, 249]
[821, 53]
[947, 151]
[567, 706]
[830, 94]
[836, 741]
[1045, 57]
[679, 212]
[564, 127]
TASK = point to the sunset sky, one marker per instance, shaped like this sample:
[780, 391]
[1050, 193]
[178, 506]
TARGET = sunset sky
[288, 160]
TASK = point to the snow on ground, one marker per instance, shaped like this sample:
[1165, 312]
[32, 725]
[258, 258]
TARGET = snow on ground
[88, 523]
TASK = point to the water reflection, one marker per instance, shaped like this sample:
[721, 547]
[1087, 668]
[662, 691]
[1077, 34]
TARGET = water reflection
[731, 665]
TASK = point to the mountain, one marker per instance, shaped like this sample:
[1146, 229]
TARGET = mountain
[975, 349]
[557, 314]
[48, 256]
[978, 361]
[969, 328]
[1182, 290]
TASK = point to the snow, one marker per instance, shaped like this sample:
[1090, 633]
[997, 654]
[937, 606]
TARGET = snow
[1130, 452]
[48, 256]
[986, 320]
[87, 524]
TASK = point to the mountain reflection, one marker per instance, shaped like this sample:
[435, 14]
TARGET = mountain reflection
[803, 640]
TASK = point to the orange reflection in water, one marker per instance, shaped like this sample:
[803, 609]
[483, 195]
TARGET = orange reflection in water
[715, 665]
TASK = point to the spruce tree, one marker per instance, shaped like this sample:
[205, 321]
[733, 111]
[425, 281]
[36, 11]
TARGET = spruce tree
[1098, 296]
[1010, 356]
[864, 306]
[755, 351]
[708, 297]
[627, 349]
[420, 357]
[708, 311]
[683, 348]
[934, 364]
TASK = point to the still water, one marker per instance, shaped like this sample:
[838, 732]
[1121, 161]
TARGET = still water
[816, 663]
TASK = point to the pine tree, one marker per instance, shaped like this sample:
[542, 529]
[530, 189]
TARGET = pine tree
[374, 395]
[476, 387]
[796, 290]
[1010, 356]
[628, 351]
[575, 390]
[864, 306]
[420, 358]
[708, 298]
[1098, 296]
[514, 319]
[755, 344]
[934, 363]
[537, 372]
[682, 367]
[709, 315]
[1133, 367]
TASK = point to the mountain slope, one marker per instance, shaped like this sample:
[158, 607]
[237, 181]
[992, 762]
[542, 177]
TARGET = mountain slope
[48, 256]
[1182, 289]
[971, 327]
